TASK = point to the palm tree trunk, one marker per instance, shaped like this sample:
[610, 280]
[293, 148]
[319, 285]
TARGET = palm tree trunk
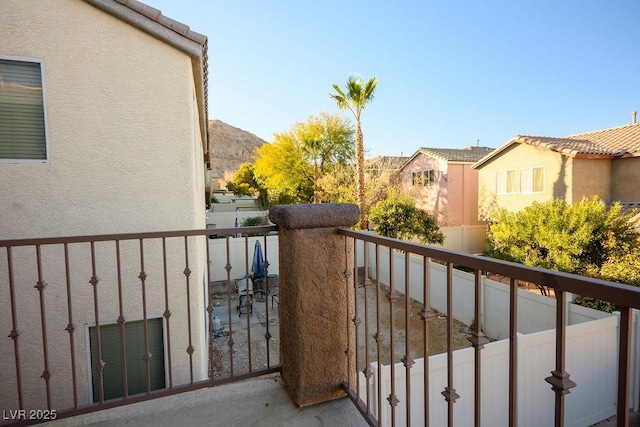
[360, 171]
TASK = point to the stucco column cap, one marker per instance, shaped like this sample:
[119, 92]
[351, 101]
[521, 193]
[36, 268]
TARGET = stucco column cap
[317, 215]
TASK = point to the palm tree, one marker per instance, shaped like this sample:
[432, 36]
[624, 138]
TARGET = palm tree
[355, 97]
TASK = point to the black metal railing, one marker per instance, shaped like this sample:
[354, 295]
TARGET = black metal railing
[107, 320]
[388, 315]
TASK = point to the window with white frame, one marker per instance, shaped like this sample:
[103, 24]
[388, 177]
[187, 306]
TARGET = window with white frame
[423, 178]
[416, 179]
[22, 111]
[429, 178]
[532, 180]
[506, 182]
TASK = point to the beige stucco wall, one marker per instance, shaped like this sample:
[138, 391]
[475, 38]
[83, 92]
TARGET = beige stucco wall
[590, 177]
[565, 177]
[625, 180]
[126, 156]
[557, 173]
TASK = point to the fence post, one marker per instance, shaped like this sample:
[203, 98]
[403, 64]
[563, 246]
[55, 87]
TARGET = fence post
[316, 299]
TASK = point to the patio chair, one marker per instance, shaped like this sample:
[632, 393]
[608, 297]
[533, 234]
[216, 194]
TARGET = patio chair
[244, 289]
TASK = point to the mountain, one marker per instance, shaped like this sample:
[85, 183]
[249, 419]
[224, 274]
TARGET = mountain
[230, 147]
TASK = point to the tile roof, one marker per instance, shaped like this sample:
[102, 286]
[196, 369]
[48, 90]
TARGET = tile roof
[617, 142]
[468, 154]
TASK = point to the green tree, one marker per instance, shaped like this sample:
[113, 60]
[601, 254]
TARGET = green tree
[293, 165]
[355, 97]
[244, 183]
[398, 217]
[326, 141]
[574, 238]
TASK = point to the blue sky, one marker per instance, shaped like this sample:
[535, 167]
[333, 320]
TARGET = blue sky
[449, 72]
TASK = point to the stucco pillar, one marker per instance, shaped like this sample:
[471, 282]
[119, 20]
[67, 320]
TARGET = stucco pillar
[315, 289]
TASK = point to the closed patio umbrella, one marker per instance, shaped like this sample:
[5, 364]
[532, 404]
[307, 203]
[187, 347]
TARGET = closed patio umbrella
[257, 267]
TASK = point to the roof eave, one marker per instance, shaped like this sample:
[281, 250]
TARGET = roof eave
[175, 34]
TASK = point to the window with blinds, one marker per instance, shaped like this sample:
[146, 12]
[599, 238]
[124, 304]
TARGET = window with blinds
[133, 358]
[22, 119]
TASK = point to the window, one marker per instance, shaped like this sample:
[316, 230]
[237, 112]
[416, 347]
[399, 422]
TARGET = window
[429, 178]
[532, 180]
[111, 350]
[416, 178]
[506, 182]
[22, 117]
[423, 178]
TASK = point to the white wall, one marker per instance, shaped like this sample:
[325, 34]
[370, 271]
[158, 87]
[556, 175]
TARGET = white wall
[535, 312]
[465, 238]
[240, 256]
[591, 362]
[228, 219]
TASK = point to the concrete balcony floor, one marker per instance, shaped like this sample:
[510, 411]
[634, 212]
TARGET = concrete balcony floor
[255, 402]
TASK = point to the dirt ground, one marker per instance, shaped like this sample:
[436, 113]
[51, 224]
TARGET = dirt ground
[257, 326]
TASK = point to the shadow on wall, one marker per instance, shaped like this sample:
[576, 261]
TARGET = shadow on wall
[560, 187]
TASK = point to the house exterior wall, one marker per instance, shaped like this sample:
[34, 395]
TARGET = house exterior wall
[590, 177]
[625, 180]
[463, 194]
[453, 197]
[433, 199]
[557, 177]
[125, 156]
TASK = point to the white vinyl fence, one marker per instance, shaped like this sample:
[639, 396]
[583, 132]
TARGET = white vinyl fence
[592, 349]
[470, 239]
[240, 256]
[591, 360]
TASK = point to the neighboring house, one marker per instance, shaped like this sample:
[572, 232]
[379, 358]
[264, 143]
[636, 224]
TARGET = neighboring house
[442, 183]
[103, 129]
[605, 163]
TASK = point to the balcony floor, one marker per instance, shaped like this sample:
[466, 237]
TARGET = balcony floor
[259, 401]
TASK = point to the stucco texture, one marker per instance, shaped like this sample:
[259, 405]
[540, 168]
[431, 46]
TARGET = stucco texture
[125, 156]
[314, 291]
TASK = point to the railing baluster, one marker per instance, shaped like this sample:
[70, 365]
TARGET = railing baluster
[143, 285]
[449, 392]
[559, 379]
[378, 336]
[187, 275]
[167, 312]
[210, 309]
[392, 296]
[356, 319]
[70, 326]
[40, 285]
[478, 340]
[121, 322]
[624, 367]
[267, 334]
[348, 351]
[250, 297]
[96, 307]
[426, 314]
[14, 334]
[367, 284]
[407, 360]
[228, 267]
[513, 353]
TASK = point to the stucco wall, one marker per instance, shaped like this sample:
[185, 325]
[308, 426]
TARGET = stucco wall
[591, 177]
[433, 199]
[625, 180]
[463, 194]
[126, 156]
[557, 173]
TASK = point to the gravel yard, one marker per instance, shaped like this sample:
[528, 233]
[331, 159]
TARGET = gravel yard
[242, 329]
